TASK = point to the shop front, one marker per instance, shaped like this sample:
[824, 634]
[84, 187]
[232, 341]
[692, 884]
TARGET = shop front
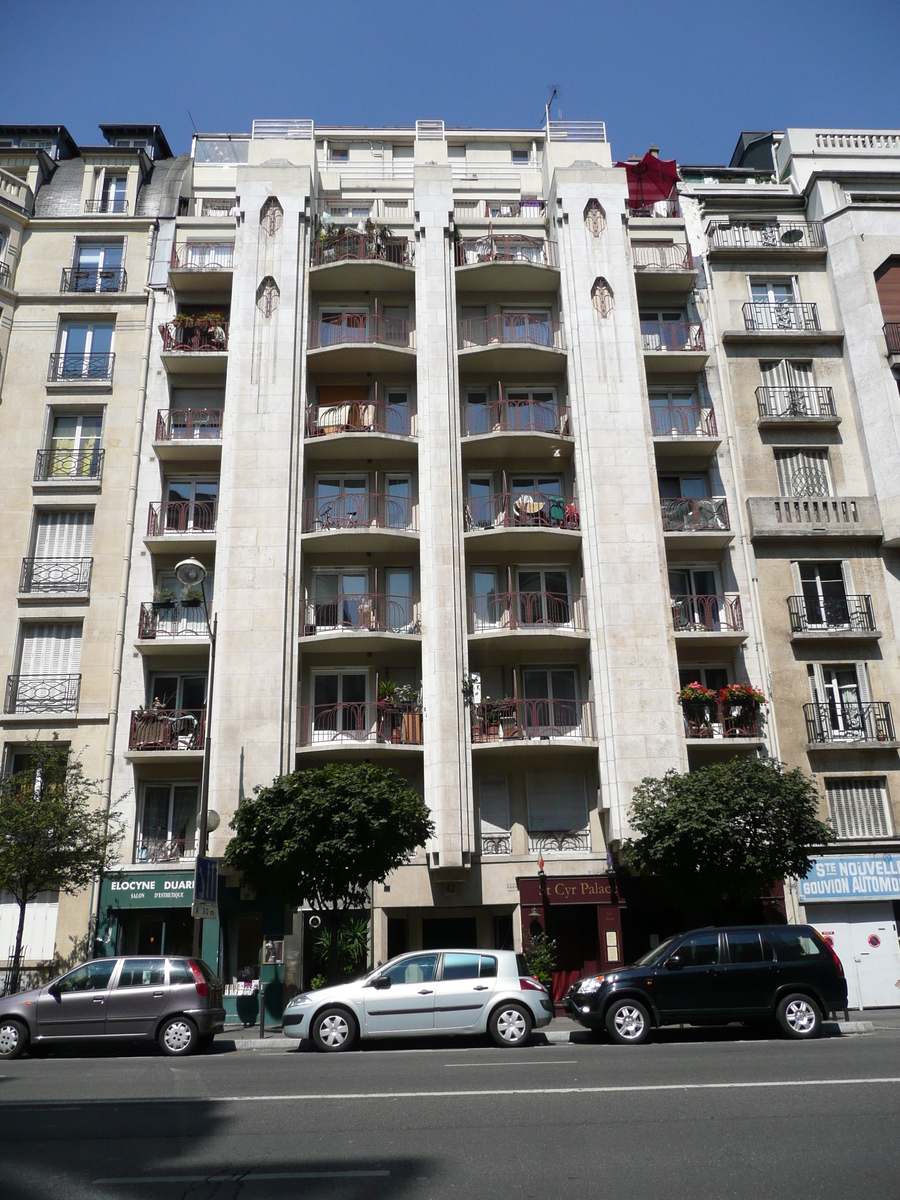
[853, 900]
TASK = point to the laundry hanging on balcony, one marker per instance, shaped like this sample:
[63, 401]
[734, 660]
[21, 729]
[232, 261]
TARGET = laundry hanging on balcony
[651, 180]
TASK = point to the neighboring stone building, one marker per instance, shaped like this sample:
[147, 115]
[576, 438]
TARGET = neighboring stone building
[442, 411]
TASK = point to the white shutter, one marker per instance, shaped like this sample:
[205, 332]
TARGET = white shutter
[494, 807]
[789, 462]
[776, 374]
[556, 801]
[66, 534]
[799, 374]
[51, 649]
[858, 808]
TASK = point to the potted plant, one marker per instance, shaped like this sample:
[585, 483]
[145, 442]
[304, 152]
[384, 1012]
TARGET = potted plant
[164, 597]
[192, 598]
[741, 704]
[698, 704]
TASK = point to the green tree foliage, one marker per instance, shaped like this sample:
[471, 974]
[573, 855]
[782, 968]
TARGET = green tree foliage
[321, 836]
[728, 832]
[540, 956]
[53, 836]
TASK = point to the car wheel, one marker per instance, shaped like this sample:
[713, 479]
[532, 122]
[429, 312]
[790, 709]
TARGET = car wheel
[179, 1037]
[628, 1022]
[13, 1038]
[511, 1025]
[333, 1030]
[799, 1016]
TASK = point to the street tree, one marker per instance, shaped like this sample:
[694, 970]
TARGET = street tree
[53, 835]
[727, 833]
[322, 836]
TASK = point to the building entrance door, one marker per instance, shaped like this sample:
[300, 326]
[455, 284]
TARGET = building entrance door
[574, 929]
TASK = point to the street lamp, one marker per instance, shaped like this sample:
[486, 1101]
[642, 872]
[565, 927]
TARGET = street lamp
[192, 573]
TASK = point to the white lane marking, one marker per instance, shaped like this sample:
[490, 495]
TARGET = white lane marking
[250, 1177]
[531, 1062]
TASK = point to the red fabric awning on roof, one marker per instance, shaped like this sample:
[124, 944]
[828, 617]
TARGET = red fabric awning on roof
[650, 180]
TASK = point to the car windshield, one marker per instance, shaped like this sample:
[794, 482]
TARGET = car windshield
[657, 954]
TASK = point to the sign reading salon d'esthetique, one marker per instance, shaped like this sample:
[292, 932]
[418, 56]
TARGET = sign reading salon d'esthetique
[163, 889]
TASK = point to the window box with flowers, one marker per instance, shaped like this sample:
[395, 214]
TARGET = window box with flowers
[698, 704]
[732, 711]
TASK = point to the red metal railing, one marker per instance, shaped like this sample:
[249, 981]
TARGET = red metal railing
[203, 256]
[372, 611]
[517, 416]
[707, 614]
[672, 335]
[362, 329]
[682, 420]
[360, 416]
[372, 510]
[514, 329]
[509, 720]
[510, 248]
[527, 610]
[186, 424]
[382, 722]
[206, 336]
[360, 247]
[545, 509]
[715, 719]
[167, 729]
[181, 516]
[661, 256]
[172, 620]
[690, 516]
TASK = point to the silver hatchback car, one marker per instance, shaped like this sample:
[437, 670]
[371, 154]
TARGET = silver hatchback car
[426, 992]
[177, 1001]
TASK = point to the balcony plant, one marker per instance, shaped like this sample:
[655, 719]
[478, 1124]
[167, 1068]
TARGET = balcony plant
[164, 597]
[192, 598]
[699, 705]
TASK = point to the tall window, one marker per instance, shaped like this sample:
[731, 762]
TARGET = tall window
[191, 504]
[167, 828]
[85, 350]
[49, 661]
[98, 267]
[113, 193]
[62, 552]
[858, 808]
[824, 595]
[556, 802]
[75, 446]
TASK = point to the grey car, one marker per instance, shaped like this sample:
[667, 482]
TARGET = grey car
[426, 992]
[177, 1001]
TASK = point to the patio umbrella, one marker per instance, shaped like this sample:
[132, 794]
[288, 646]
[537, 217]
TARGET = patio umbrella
[649, 179]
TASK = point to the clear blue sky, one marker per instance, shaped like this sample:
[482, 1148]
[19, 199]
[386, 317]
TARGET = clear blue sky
[688, 76]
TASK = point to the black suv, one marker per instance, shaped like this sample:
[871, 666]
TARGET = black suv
[708, 976]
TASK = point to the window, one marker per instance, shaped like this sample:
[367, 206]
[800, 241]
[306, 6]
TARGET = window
[537, 500]
[528, 409]
[342, 600]
[398, 413]
[400, 610]
[397, 501]
[92, 977]
[178, 692]
[803, 472]
[824, 595]
[195, 413]
[544, 596]
[493, 796]
[488, 967]
[98, 267]
[142, 972]
[551, 701]
[774, 305]
[191, 504]
[113, 194]
[745, 946]
[339, 704]
[556, 801]
[841, 692]
[665, 329]
[702, 950]
[167, 828]
[339, 154]
[74, 450]
[678, 414]
[62, 547]
[521, 155]
[858, 808]
[343, 325]
[683, 487]
[791, 946]
[179, 972]
[51, 648]
[697, 603]
[85, 350]
[420, 969]
[341, 501]
[488, 608]
[714, 678]
[461, 966]
[528, 325]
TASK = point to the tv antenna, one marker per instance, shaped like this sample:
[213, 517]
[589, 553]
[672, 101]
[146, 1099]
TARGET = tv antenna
[196, 130]
[553, 94]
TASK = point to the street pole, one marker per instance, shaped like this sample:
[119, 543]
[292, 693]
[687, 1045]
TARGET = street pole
[204, 785]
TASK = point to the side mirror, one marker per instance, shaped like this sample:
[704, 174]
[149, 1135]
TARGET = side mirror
[381, 982]
[674, 963]
[53, 990]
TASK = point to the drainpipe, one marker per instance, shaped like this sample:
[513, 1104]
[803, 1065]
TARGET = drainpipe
[131, 508]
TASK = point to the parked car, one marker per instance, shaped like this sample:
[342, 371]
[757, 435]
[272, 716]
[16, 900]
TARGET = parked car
[177, 1001]
[752, 972]
[426, 992]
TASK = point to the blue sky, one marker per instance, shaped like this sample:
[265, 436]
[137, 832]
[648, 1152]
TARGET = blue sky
[688, 76]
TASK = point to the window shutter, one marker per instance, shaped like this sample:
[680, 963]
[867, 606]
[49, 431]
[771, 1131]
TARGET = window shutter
[775, 374]
[51, 649]
[556, 801]
[494, 806]
[800, 471]
[64, 535]
[858, 807]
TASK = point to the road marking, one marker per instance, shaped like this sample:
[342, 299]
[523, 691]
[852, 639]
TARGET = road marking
[532, 1062]
[247, 1178]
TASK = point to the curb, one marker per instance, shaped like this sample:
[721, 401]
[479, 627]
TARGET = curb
[854, 1026]
[272, 1044]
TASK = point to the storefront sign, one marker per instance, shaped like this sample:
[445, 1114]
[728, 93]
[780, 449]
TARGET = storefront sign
[852, 877]
[165, 888]
[590, 889]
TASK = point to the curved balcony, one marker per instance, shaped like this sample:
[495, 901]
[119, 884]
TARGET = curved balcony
[506, 263]
[693, 524]
[360, 727]
[391, 618]
[55, 577]
[517, 341]
[708, 619]
[536, 427]
[188, 434]
[853, 723]
[839, 617]
[361, 429]
[93, 279]
[156, 731]
[535, 520]
[663, 270]
[193, 349]
[42, 693]
[358, 262]
[544, 618]
[355, 341]
[160, 621]
[188, 525]
[673, 347]
[202, 267]
[683, 431]
[371, 520]
[534, 723]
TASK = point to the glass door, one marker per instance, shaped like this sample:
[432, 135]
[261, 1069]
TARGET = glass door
[75, 445]
[398, 501]
[489, 610]
[341, 501]
[544, 597]
[191, 504]
[551, 704]
[339, 706]
[399, 616]
[85, 349]
[398, 414]
[484, 508]
[844, 700]
[773, 305]
[478, 414]
[824, 595]
[696, 604]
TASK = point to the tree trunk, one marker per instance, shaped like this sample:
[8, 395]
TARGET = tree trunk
[333, 966]
[17, 955]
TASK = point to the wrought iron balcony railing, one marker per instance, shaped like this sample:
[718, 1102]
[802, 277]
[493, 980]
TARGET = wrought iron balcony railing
[167, 729]
[717, 719]
[188, 424]
[4, 274]
[781, 315]
[368, 612]
[661, 256]
[672, 335]
[208, 336]
[494, 844]
[203, 256]
[775, 235]
[548, 510]
[795, 402]
[523, 720]
[529, 209]
[511, 329]
[69, 464]
[97, 368]
[506, 249]
[558, 841]
[361, 416]
[682, 420]
[517, 416]
[181, 516]
[163, 850]
[892, 337]
[708, 515]
[527, 610]
[371, 510]
[55, 576]
[849, 721]
[362, 329]
[178, 619]
[707, 614]
[93, 279]
[42, 693]
[349, 724]
[107, 204]
[362, 247]
[824, 614]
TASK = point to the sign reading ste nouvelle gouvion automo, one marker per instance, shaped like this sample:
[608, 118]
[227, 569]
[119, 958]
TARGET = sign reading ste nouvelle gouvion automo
[852, 877]
[165, 888]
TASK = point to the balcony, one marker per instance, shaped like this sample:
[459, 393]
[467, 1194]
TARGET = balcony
[495, 845]
[718, 720]
[517, 722]
[358, 262]
[161, 730]
[55, 577]
[506, 263]
[93, 279]
[535, 520]
[892, 340]
[372, 520]
[202, 267]
[42, 693]
[683, 431]
[361, 725]
[530, 209]
[694, 524]
[839, 724]
[840, 617]
[95, 369]
[355, 341]
[780, 237]
[780, 317]
[511, 342]
[817, 516]
[195, 348]
[783, 406]
[159, 619]
[359, 429]
[559, 841]
[543, 617]
[191, 522]
[164, 850]
[544, 418]
[107, 204]
[663, 269]
[188, 433]
[363, 613]
[69, 466]
[710, 619]
[673, 346]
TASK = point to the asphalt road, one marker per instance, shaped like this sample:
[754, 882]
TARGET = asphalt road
[695, 1115]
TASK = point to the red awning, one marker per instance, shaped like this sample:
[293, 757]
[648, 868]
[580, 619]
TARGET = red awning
[650, 180]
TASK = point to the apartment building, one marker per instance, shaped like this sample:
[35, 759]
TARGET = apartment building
[483, 458]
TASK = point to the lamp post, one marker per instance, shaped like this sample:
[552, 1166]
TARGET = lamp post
[192, 573]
